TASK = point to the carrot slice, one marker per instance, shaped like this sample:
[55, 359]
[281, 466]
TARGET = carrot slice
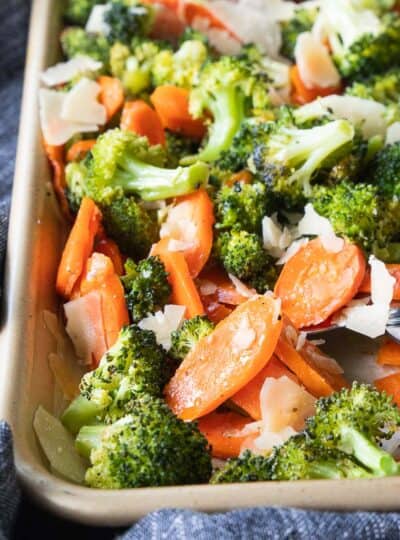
[138, 117]
[111, 95]
[248, 397]
[100, 276]
[394, 270]
[389, 353]
[225, 292]
[217, 367]
[108, 247]
[55, 155]
[215, 311]
[318, 381]
[191, 221]
[390, 385]
[78, 248]
[241, 177]
[316, 282]
[195, 10]
[184, 292]
[222, 433]
[79, 149]
[172, 106]
[301, 94]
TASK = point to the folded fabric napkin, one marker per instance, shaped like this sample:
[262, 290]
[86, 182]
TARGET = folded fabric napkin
[265, 523]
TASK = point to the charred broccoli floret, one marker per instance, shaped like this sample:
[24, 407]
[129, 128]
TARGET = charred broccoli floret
[147, 287]
[246, 468]
[76, 41]
[302, 21]
[149, 447]
[384, 171]
[242, 254]
[127, 19]
[178, 147]
[191, 331]
[382, 87]
[78, 11]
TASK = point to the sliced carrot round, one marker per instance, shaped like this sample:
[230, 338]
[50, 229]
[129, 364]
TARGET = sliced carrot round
[111, 94]
[316, 282]
[138, 117]
[221, 364]
[222, 431]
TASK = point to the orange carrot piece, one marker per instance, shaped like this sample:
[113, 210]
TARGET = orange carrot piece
[192, 10]
[108, 247]
[199, 210]
[111, 95]
[138, 117]
[167, 22]
[248, 397]
[222, 433]
[78, 248]
[301, 94]
[219, 366]
[184, 292]
[318, 381]
[389, 353]
[215, 311]
[79, 149]
[241, 177]
[55, 155]
[172, 106]
[390, 385]
[226, 292]
[394, 270]
[100, 276]
[316, 282]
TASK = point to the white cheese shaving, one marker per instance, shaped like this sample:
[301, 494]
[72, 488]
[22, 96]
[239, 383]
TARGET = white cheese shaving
[275, 238]
[219, 38]
[241, 288]
[312, 224]
[292, 250]
[301, 340]
[66, 71]
[163, 323]
[332, 243]
[207, 287]
[369, 115]
[315, 65]
[57, 130]
[393, 133]
[96, 23]
[81, 105]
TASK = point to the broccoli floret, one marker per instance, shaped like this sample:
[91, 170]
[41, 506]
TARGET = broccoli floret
[229, 89]
[78, 11]
[246, 468]
[75, 41]
[252, 133]
[302, 21]
[384, 171]
[150, 447]
[378, 6]
[191, 331]
[134, 365]
[358, 213]
[125, 161]
[180, 68]
[127, 19]
[382, 87]
[147, 287]
[354, 421]
[75, 174]
[292, 157]
[361, 42]
[179, 146]
[242, 206]
[242, 254]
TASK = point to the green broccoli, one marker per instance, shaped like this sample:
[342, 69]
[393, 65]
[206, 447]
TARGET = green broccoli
[191, 331]
[381, 87]
[180, 68]
[127, 19]
[228, 88]
[178, 146]
[149, 447]
[292, 157]
[242, 206]
[134, 365]
[302, 21]
[378, 6]
[354, 421]
[361, 42]
[147, 287]
[246, 468]
[75, 41]
[242, 254]
[384, 171]
[78, 11]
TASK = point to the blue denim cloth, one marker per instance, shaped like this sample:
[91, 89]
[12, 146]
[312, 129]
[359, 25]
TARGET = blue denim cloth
[265, 523]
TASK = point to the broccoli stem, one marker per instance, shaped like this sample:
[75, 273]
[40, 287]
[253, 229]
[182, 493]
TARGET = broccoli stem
[371, 456]
[153, 183]
[89, 438]
[227, 109]
[325, 470]
[80, 412]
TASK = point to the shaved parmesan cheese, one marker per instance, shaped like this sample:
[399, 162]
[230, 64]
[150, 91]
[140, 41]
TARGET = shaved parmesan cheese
[57, 130]
[81, 105]
[241, 288]
[163, 323]
[275, 239]
[219, 38]
[382, 283]
[207, 287]
[66, 71]
[96, 23]
[315, 65]
[312, 224]
[321, 360]
[301, 340]
[393, 133]
[369, 115]
[292, 250]
[332, 243]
